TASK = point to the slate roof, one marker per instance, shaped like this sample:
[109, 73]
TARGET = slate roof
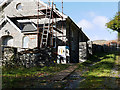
[27, 27]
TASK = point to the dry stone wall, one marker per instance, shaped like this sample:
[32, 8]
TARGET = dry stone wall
[28, 58]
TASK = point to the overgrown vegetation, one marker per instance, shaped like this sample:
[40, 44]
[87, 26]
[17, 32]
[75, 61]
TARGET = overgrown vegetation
[92, 59]
[99, 74]
[99, 68]
[16, 77]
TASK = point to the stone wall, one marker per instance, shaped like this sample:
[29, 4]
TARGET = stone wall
[35, 57]
[28, 58]
[103, 48]
[8, 30]
[27, 8]
[72, 34]
[90, 48]
[83, 51]
[9, 56]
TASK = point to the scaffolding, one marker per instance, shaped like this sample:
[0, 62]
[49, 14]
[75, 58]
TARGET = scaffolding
[48, 33]
[62, 19]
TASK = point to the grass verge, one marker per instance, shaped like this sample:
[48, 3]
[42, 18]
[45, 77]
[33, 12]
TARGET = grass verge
[98, 74]
[20, 76]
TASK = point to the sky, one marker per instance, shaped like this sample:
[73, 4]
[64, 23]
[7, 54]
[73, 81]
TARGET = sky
[92, 17]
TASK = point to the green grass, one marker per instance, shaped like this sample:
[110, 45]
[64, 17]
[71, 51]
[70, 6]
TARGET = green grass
[32, 71]
[12, 77]
[92, 59]
[99, 74]
[92, 82]
[102, 68]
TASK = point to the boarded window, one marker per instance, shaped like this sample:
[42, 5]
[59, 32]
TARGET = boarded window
[25, 42]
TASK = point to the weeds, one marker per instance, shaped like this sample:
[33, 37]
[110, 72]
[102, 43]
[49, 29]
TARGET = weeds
[13, 77]
[99, 73]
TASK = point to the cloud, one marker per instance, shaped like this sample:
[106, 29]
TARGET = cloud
[94, 26]
[91, 14]
[101, 35]
[96, 22]
[85, 24]
[100, 21]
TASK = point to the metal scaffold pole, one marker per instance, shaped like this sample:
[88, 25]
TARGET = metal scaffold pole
[38, 33]
[49, 3]
[52, 22]
[62, 20]
[47, 35]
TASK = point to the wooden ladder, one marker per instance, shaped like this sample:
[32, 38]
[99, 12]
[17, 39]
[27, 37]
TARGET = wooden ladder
[46, 28]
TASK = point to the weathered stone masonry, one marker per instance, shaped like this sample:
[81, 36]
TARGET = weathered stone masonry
[19, 29]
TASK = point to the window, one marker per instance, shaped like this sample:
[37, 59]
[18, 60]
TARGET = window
[19, 6]
[7, 41]
[25, 42]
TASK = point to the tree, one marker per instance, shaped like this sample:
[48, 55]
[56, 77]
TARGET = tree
[114, 24]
